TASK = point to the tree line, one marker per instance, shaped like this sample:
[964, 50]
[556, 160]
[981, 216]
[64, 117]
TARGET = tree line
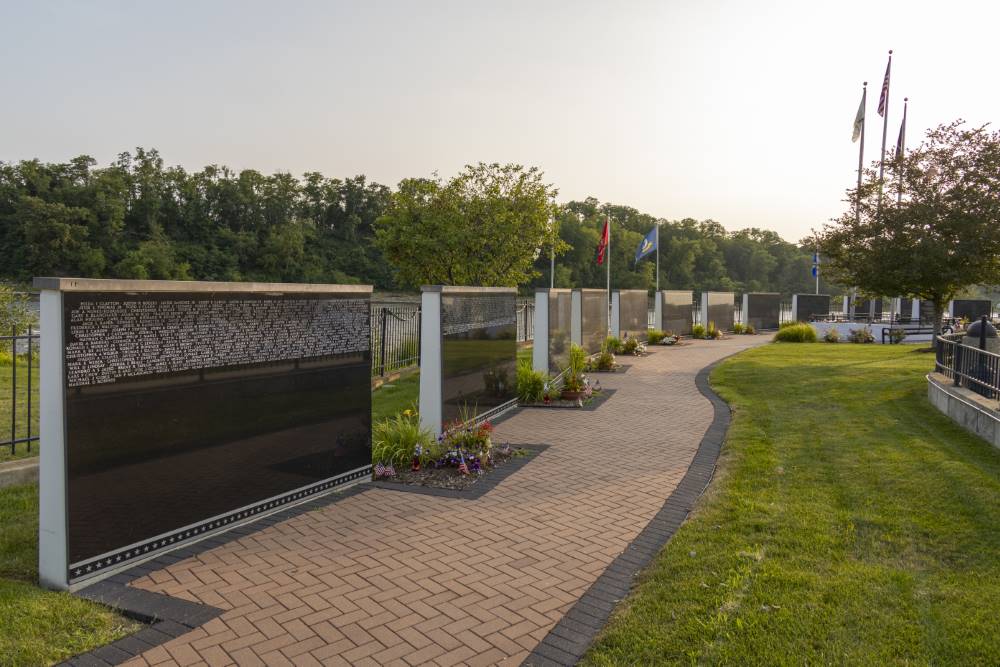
[490, 224]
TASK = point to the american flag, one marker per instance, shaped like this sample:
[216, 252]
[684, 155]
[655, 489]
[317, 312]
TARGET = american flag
[883, 99]
[390, 471]
[379, 469]
[463, 467]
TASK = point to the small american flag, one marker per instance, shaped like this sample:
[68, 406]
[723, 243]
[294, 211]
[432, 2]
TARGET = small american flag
[883, 99]
[463, 467]
[390, 471]
[379, 469]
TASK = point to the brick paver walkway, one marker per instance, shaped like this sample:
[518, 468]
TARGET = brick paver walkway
[388, 577]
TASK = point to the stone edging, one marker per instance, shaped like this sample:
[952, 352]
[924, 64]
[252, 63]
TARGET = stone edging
[477, 490]
[569, 640]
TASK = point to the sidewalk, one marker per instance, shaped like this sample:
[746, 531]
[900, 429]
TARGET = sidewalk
[389, 577]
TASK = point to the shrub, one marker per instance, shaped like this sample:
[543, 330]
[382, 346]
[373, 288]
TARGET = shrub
[573, 380]
[605, 361]
[612, 344]
[896, 335]
[749, 330]
[530, 383]
[630, 345]
[796, 333]
[712, 332]
[395, 440]
[654, 336]
[862, 335]
[739, 328]
[832, 335]
[698, 331]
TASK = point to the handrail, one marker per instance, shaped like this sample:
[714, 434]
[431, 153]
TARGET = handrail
[977, 370]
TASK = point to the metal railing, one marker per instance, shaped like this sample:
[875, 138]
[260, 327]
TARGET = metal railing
[20, 388]
[395, 336]
[525, 320]
[969, 367]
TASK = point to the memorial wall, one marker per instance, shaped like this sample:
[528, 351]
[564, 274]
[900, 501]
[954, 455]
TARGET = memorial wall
[593, 319]
[478, 351]
[762, 310]
[560, 315]
[633, 313]
[185, 410]
[676, 310]
[971, 309]
[718, 308]
[808, 306]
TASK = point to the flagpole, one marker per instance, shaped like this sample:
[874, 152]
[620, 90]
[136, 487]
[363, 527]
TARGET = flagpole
[657, 255]
[902, 150]
[861, 149]
[885, 128]
[607, 221]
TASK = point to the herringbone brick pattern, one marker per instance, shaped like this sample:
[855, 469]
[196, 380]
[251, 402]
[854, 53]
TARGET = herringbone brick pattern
[392, 578]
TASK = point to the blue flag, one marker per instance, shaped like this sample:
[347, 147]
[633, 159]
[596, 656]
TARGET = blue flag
[647, 245]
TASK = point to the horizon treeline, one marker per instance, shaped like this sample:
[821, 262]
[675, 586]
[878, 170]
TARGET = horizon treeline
[138, 218]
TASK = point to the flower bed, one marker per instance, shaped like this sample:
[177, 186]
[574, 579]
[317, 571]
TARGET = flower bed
[445, 473]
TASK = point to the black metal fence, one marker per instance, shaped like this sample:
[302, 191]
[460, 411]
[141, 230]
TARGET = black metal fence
[19, 391]
[977, 370]
[525, 320]
[395, 336]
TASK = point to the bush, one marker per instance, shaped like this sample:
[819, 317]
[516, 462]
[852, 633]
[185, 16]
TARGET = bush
[654, 336]
[832, 335]
[749, 330]
[698, 331]
[739, 328]
[530, 383]
[796, 333]
[573, 380]
[896, 335]
[395, 440]
[863, 335]
[630, 345]
[712, 332]
[785, 325]
[612, 344]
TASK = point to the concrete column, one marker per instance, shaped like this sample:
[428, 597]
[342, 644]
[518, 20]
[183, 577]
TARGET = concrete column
[576, 317]
[430, 361]
[53, 525]
[540, 347]
[616, 314]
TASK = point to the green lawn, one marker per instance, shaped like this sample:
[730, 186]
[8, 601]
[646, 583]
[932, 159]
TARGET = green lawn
[6, 395]
[39, 627]
[849, 523]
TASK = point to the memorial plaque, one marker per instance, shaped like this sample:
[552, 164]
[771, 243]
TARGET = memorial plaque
[718, 309]
[560, 314]
[478, 351]
[905, 313]
[633, 312]
[763, 310]
[183, 407]
[808, 306]
[971, 309]
[676, 310]
[594, 319]
[926, 312]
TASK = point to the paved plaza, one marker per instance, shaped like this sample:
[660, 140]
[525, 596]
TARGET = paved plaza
[396, 578]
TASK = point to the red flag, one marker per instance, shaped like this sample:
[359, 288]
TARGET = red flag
[602, 247]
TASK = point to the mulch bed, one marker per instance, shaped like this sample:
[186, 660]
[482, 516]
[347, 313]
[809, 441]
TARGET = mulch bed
[588, 404]
[619, 368]
[448, 477]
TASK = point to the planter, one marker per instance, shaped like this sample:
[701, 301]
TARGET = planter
[567, 395]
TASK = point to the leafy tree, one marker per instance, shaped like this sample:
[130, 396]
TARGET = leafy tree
[944, 233]
[486, 226]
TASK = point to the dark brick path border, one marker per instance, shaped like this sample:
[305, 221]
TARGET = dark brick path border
[569, 640]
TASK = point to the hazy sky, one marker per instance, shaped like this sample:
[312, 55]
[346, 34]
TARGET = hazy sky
[738, 111]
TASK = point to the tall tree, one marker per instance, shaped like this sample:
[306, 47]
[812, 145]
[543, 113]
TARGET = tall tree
[944, 234]
[486, 226]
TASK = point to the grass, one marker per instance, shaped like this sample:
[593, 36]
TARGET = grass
[6, 396]
[39, 627]
[849, 523]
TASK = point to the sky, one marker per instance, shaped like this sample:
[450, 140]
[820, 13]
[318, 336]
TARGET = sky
[736, 111]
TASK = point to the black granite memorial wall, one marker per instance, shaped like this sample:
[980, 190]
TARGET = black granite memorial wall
[971, 309]
[808, 306]
[763, 310]
[676, 310]
[593, 319]
[926, 312]
[720, 310]
[633, 313]
[478, 352]
[905, 314]
[560, 328]
[181, 408]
